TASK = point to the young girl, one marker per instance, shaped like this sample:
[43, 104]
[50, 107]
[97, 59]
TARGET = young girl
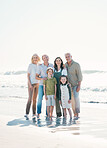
[65, 95]
[50, 91]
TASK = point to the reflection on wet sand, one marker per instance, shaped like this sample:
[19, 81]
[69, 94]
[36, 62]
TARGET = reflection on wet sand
[60, 124]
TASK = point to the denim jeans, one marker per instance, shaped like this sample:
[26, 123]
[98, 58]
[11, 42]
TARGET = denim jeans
[40, 97]
[76, 98]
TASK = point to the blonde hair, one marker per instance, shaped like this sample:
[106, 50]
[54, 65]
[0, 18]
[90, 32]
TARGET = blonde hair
[35, 55]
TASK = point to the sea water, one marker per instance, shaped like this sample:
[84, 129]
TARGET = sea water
[93, 87]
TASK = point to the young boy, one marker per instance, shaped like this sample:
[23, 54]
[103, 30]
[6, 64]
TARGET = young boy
[50, 91]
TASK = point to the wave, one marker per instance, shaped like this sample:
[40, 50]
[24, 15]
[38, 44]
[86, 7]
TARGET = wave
[94, 89]
[24, 72]
[97, 102]
[15, 72]
[82, 89]
[93, 71]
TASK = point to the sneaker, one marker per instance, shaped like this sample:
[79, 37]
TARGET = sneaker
[38, 116]
[26, 116]
[75, 118]
[34, 118]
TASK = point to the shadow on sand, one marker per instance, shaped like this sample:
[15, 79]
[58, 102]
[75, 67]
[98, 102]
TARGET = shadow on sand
[44, 122]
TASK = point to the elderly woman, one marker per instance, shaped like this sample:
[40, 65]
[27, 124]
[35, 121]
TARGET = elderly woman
[58, 71]
[33, 85]
[42, 75]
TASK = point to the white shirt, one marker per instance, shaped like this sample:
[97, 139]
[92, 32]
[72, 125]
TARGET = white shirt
[64, 71]
[42, 71]
[32, 70]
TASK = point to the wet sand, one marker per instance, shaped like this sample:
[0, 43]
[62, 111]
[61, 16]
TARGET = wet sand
[89, 131]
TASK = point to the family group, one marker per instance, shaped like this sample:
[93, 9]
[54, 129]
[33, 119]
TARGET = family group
[59, 83]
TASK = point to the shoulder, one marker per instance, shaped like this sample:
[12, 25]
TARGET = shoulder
[50, 65]
[76, 63]
[30, 65]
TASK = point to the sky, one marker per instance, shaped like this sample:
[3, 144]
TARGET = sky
[53, 27]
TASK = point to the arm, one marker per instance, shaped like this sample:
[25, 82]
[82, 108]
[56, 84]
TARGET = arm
[39, 78]
[55, 92]
[44, 92]
[78, 86]
[29, 82]
[69, 89]
[59, 96]
[79, 75]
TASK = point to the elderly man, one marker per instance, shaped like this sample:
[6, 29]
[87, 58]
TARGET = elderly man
[74, 78]
[41, 75]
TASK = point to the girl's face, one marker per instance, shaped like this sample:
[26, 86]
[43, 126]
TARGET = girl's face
[63, 80]
[35, 59]
[58, 61]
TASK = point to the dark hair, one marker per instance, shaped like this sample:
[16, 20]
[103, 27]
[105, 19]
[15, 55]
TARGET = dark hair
[65, 77]
[55, 65]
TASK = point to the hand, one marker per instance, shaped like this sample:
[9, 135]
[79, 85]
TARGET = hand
[69, 101]
[44, 78]
[78, 88]
[46, 97]
[69, 84]
[31, 87]
[59, 101]
[54, 96]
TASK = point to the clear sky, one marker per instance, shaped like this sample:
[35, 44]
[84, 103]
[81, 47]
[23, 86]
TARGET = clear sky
[53, 27]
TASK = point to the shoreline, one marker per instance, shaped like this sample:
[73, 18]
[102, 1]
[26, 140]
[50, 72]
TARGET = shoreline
[89, 131]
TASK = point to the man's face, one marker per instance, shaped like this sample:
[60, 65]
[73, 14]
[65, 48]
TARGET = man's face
[68, 57]
[45, 58]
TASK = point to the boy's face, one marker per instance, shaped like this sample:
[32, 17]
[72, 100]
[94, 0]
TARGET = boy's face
[63, 80]
[50, 72]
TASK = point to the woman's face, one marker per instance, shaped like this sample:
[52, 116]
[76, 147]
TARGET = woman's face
[63, 80]
[35, 59]
[58, 61]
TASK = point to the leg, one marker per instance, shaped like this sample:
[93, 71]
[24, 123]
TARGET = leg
[70, 113]
[65, 113]
[73, 101]
[29, 100]
[48, 110]
[51, 110]
[40, 97]
[58, 109]
[34, 96]
[77, 102]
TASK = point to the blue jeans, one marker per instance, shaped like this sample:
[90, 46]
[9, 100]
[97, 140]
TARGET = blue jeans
[40, 97]
[77, 101]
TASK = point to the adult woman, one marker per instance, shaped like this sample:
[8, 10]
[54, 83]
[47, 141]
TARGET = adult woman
[33, 85]
[42, 75]
[58, 71]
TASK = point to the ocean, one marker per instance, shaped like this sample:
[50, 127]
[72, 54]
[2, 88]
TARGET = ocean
[93, 89]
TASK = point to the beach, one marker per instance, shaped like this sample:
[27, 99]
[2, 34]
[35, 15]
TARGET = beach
[89, 131]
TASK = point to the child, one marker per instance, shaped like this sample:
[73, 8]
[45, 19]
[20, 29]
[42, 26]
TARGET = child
[65, 95]
[50, 91]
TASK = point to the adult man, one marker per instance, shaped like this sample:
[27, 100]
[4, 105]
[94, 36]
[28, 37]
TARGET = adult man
[41, 75]
[74, 78]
